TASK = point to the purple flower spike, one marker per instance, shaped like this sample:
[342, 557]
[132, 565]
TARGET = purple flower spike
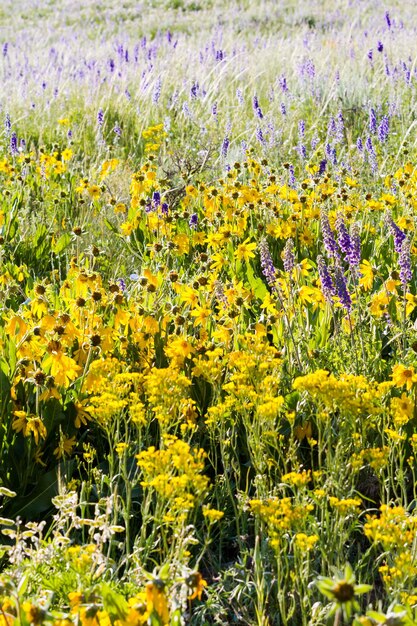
[267, 264]
[288, 256]
[327, 286]
[7, 125]
[354, 256]
[256, 107]
[100, 117]
[396, 232]
[225, 147]
[193, 221]
[121, 284]
[383, 129]
[372, 121]
[404, 262]
[328, 237]
[343, 237]
[342, 290]
[13, 144]
[156, 198]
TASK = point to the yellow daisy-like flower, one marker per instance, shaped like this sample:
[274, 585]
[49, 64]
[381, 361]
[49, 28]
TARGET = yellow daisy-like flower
[402, 375]
[402, 409]
[245, 251]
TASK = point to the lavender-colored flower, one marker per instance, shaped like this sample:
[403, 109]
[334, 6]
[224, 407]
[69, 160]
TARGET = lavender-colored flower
[193, 221]
[383, 129]
[359, 144]
[322, 167]
[340, 128]
[13, 144]
[301, 128]
[404, 262]
[156, 198]
[288, 256]
[225, 147]
[5, 49]
[370, 54]
[291, 176]
[214, 109]
[388, 19]
[164, 208]
[157, 91]
[239, 96]
[259, 135]
[23, 145]
[267, 264]
[302, 151]
[329, 240]
[195, 88]
[256, 107]
[341, 289]
[372, 121]
[380, 46]
[371, 153]
[343, 237]
[283, 83]
[396, 232]
[100, 117]
[283, 109]
[7, 125]
[331, 153]
[117, 130]
[326, 281]
[332, 128]
[121, 284]
[354, 255]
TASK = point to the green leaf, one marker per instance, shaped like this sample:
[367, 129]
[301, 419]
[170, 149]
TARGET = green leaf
[111, 226]
[114, 603]
[256, 283]
[164, 572]
[62, 243]
[176, 618]
[362, 588]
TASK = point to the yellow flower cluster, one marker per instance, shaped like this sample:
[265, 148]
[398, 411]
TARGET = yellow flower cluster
[280, 516]
[175, 473]
[349, 394]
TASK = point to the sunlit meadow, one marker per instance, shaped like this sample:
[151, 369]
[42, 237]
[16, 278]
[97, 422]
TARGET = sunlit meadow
[208, 313]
